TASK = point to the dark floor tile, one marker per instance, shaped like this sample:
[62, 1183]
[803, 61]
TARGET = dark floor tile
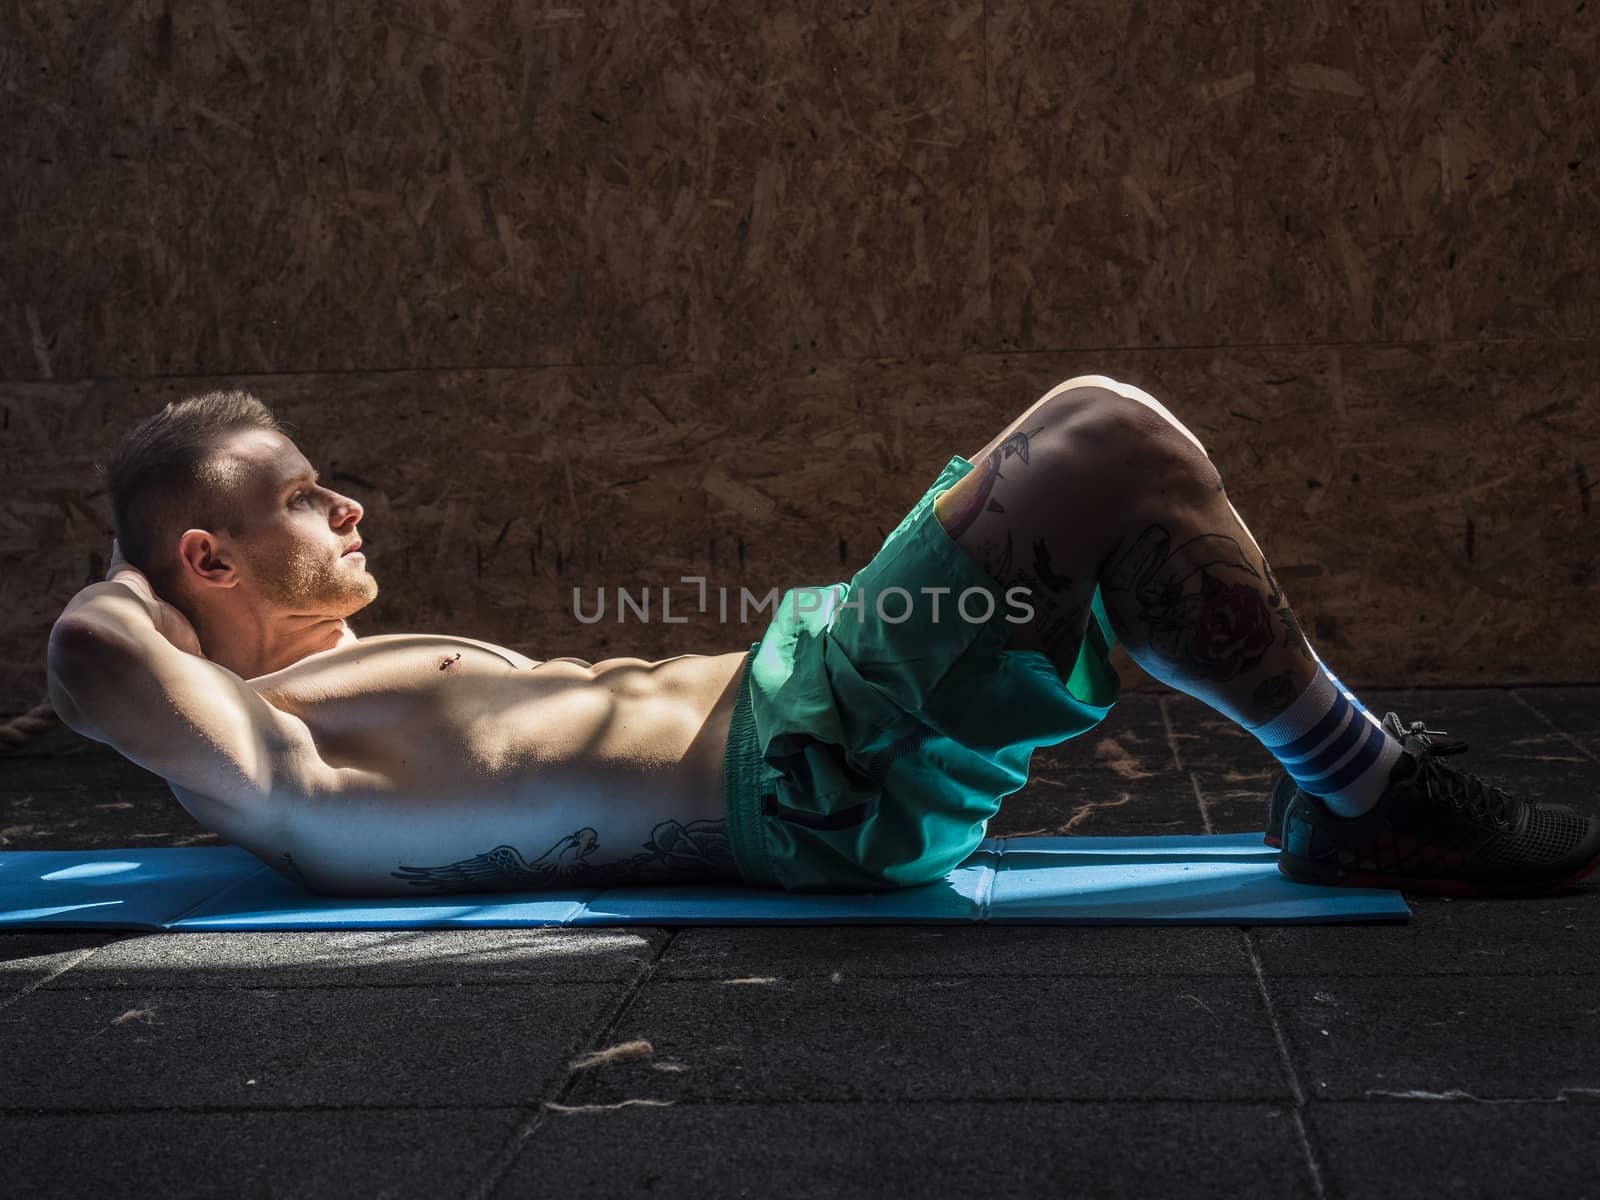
[1201, 738]
[1227, 774]
[1410, 1149]
[74, 760]
[278, 1154]
[1236, 802]
[928, 1150]
[366, 958]
[294, 1047]
[1095, 804]
[66, 792]
[1572, 711]
[762, 1038]
[1494, 1037]
[897, 951]
[1117, 780]
[26, 959]
[1552, 935]
[89, 816]
[1138, 710]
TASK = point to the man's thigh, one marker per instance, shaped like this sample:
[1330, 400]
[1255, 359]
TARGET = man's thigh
[999, 520]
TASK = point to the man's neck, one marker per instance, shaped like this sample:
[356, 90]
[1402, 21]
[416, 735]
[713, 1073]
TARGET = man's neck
[252, 649]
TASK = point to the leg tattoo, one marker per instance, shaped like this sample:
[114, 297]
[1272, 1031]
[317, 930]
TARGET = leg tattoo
[1216, 633]
[1041, 565]
[997, 558]
[1059, 620]
[1274, 694]
[1294, 637]
[988, 474]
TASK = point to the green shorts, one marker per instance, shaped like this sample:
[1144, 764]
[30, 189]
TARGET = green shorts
[876, 731]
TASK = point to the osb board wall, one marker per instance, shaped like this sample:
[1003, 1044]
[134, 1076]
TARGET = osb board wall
[631, 283]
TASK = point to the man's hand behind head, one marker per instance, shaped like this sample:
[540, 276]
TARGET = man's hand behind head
[169, 622]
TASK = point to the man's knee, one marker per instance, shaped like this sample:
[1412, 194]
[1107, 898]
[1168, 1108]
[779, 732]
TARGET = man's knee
[1137, 402]
[1121, 435]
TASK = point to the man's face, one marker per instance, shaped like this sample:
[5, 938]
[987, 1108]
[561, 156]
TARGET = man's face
[294, 535]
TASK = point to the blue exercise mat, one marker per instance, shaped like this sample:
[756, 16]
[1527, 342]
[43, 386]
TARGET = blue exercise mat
[1228, 879]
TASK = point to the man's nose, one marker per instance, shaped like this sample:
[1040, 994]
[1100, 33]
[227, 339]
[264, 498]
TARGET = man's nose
[349, 512]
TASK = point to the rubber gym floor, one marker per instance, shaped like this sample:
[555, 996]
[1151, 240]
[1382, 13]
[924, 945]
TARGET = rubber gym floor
[1457, 1055]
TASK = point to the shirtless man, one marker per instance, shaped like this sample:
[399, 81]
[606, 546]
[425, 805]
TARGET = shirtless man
[863, 742]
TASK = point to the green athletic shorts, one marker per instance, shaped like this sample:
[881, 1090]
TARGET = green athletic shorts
[876, 731]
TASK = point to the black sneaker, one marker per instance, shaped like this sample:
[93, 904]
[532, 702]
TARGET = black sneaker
[1437, 828]
[1283, 790]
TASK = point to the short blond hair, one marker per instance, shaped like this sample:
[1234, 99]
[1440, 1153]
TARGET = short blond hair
[164, 477]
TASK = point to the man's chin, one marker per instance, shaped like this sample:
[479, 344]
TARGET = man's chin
[366, 594]
[350, 598]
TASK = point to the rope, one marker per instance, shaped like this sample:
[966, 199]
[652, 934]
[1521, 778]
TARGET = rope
[17, 732]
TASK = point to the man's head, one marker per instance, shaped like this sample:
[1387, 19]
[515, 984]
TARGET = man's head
[214, 503]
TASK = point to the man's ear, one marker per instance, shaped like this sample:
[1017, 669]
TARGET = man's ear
[205, 561]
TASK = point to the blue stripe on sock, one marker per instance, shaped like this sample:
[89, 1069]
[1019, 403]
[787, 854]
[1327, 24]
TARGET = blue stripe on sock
[1319, 760]
[1352, 770]
[1308, 741]
[1323, 760]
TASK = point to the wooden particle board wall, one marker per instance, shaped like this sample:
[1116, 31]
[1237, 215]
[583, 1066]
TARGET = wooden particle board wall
[603, 296]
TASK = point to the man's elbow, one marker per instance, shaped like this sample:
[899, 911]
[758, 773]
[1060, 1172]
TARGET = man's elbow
[75, 646]
[80, 659]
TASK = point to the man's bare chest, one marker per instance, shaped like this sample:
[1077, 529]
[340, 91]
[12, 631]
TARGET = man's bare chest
[423, 709]
[399, 703]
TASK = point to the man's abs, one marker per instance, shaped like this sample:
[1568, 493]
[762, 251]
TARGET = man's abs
[447, 764]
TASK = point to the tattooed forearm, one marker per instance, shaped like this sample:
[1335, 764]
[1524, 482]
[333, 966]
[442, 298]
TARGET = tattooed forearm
[675, 853]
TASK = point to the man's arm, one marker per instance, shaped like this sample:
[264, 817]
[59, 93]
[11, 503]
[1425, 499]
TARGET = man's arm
[116, 678]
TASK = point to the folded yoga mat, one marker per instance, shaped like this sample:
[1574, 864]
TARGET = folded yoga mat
[1229, 879]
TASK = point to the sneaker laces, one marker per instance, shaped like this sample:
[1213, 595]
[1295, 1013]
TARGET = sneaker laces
[1483, 802]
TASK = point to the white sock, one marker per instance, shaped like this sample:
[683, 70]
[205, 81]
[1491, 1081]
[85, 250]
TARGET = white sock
[1332, 746]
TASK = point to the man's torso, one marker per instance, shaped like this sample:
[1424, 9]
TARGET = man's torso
[436, 754]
